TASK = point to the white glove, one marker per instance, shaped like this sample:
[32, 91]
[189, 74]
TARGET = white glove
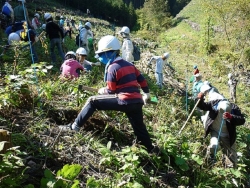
[98, 64]
[103, 91]
[145, 97]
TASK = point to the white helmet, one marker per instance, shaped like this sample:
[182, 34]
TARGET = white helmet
[204, 88]
[108, 43]
[125, 30]
[229, 75]
[81, 51]
[37, 15]
[166, 55]
[44, 26]
[71, 53]
[47, 16]
[61, 17]
[88, 24]
[13, 37]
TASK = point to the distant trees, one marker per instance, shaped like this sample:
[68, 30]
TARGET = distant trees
[114, 11]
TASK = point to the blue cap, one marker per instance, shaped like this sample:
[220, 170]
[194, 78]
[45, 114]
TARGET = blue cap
[195, 66]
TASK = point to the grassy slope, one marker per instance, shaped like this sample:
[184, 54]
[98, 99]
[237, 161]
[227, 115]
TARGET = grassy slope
[185, 45]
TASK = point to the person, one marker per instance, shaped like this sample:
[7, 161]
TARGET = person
[70, 68]
[21, 14]
[55, 34]
[81, 55]
[23, 35]
[88, 12]
[232, 83]
[127, 45]
[160, 63]
[8, 11]
[84, 32]
[196, 85]
[61, 22]
[72, 21]
[35, 21]
[121, 93]
[196, 70]
[67, 22]
[221, 122]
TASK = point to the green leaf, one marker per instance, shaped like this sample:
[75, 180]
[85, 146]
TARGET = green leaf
[70, 171]
[137, 185]
[197, 159]
[48, 174]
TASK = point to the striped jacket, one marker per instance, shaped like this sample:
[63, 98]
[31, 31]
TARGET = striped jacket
[125, 80]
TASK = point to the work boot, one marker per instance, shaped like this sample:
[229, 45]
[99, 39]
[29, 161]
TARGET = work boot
[155, 150]
[69, 127]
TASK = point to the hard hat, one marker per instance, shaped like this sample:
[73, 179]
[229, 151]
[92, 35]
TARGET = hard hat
[44, 26]
[166, 55]
[13, 37]
[71, 53]
[195, 66]
[125, 30]
[230, 75]
[61, 17]
[37, 15]
[81, 51]
[88, 24]
[47, 16]
[205, 88]
[108, 43]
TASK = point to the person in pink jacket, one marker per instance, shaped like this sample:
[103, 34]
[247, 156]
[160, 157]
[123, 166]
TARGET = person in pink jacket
[71, 67]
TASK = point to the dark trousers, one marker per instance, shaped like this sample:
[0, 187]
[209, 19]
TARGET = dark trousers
[110, 102]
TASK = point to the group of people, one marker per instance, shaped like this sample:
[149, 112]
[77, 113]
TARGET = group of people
[220, 119]
[123, 94]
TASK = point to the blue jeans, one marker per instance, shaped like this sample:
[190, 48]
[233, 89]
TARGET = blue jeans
[110, 102]
[56, 42]
[159, 79]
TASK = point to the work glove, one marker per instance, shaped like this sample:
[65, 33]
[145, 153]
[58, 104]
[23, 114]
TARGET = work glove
[98, 64]
[227, 115]
[145, 97]
[103, 91]
[200, 95]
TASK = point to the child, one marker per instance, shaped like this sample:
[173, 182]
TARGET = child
[35, 21]
[160, 62]
[71, 68]
[81, 57]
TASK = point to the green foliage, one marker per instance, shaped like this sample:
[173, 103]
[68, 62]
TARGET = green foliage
[11, 167]
[66, 177]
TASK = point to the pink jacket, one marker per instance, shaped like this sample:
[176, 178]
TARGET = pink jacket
[69, 68]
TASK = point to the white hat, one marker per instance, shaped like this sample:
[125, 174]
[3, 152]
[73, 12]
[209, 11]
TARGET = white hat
[108, 43]
[205, 88]
[13, 37]
[166, 55]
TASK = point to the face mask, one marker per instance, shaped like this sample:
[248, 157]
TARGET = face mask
[107, 57]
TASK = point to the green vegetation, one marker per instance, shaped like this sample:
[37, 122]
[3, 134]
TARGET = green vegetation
[211, 34]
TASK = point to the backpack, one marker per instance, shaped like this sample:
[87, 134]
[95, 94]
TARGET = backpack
[6, 10]
[136, 52]
[78, 40]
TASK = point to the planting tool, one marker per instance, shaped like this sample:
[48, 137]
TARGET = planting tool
[189, 116]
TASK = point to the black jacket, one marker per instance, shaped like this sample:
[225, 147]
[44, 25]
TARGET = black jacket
[53, 30]
[237, 119]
